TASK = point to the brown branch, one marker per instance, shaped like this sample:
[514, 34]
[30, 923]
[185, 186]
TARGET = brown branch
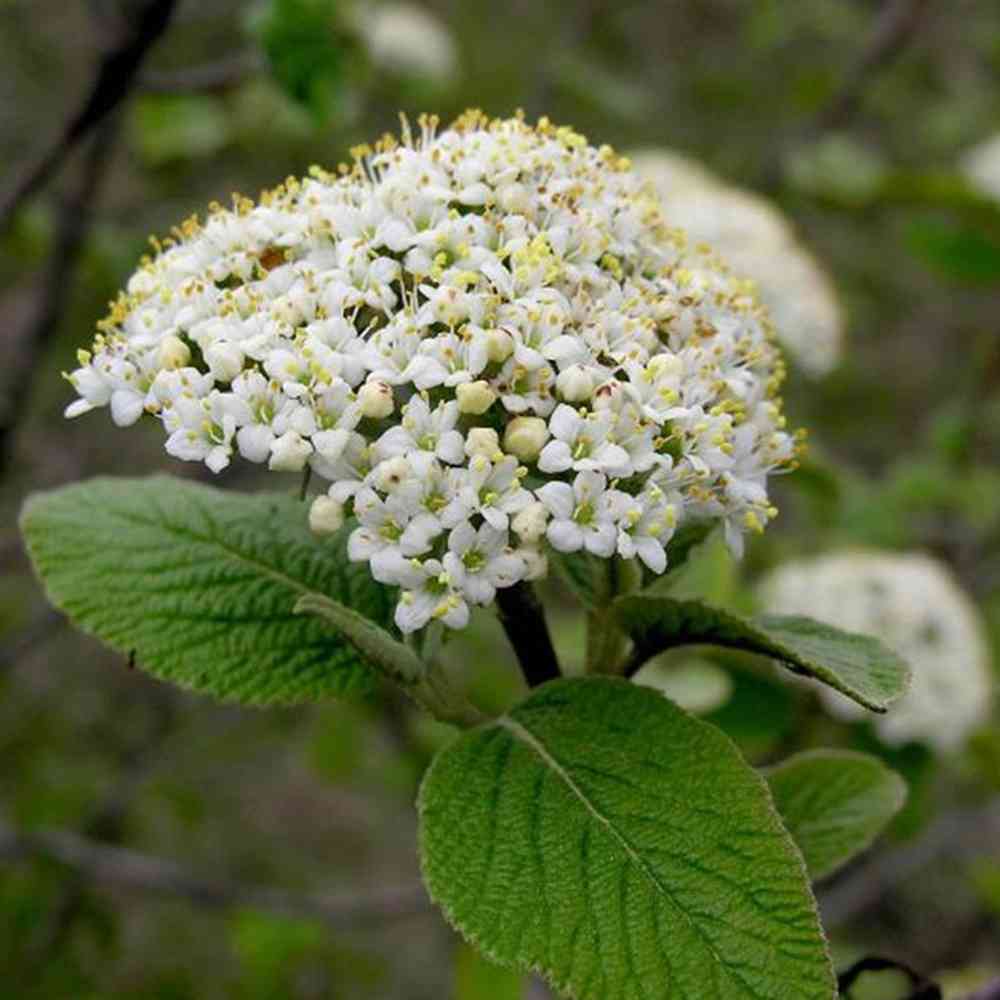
[894, 27]
[115, 78]
[74, 222]
[524, 622]
[122, 868]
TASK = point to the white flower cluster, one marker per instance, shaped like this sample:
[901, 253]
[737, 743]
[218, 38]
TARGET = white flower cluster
[484, 339]
[981, 167]
[913, 604]
[406, 39]
[755, 239]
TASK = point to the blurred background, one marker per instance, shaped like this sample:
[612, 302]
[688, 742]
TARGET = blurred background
[154, 844]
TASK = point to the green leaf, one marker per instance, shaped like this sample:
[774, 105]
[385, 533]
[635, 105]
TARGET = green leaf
[859, 666]
[600, 835]
[306, 48]
[200, 585]
[834, 803]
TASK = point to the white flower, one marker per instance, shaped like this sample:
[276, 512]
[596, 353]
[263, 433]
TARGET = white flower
[913, 604]
[388, 530]
[427, 430]
[584, 515]
[413, 328]
[429, 595]
[477, 562]
[754, 238]
[981, 167]
[405, 38]
[494, 490]
[580, 442]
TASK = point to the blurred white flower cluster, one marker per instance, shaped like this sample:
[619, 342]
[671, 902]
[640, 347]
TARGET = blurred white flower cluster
[981, 167]
[911, 602]
[408, 40]
[484, 339]
[754, 238]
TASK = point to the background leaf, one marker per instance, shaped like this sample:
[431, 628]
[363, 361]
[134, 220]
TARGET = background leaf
[201, 585]
[834, 803]
[860, 666]
[624, 848]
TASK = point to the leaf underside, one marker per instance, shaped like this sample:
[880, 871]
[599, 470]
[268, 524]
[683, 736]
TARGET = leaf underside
[859, 666]
[834, 803]
[200, 585]
[624, 849]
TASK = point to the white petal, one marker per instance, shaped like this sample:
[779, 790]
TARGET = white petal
[565, 422]
[558, 498]
[565, 536]
[555, 457]
[600, 539]
[126, 407]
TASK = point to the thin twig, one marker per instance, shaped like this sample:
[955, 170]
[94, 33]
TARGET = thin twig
[894, 27]
[54, 293]
[122, 868]
[524, 622]
[115, 78]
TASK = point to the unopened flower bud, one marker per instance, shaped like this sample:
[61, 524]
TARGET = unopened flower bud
[525, 437]
[388, 475]
[326, 516]
[375, 399]
[536, 563]
[575, 384]
[482, 441]
[499, 345]
[225, 361]
[475, 397]
[530, 523]
[174, 353]
[289, 453]
[609, 395]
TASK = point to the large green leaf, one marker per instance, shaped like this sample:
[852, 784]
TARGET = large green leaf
[199, 585]
[860, 666]
[834, 803]
[602, 836]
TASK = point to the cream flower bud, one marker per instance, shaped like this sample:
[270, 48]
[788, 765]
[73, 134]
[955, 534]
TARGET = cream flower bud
[499, 345]
[391, 473]
[289, 453]
[475, 397]
[608, 395]
[536, 563]
[225, 361]
[525, 437]
[575, 384]
[174, 353]
[482, 441]
[375, 399]
[326, 516]
[530, 523]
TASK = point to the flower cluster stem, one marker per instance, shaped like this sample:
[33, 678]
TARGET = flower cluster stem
[524, 622]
